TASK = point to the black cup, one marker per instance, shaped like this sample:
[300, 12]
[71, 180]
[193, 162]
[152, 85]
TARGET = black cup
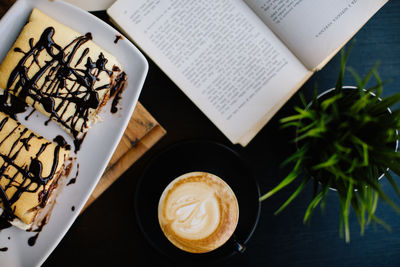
[204, 156]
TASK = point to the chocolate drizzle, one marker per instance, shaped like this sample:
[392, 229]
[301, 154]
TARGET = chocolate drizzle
[32, 240]
[61, 142]
[117, 38]
[116, 91]
[73, 180]
[32, 175]
[11, 105]
[52, 93]
[4, 224]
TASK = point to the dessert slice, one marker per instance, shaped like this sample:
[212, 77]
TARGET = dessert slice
[60, 72]
[30, 167]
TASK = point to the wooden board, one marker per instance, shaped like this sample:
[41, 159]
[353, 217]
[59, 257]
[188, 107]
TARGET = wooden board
[141, 134]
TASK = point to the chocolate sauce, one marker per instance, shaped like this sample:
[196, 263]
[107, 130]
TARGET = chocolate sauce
[4, 224]
[33, 179]
[30, 114]
[78, 142]
[117, 90]
[61, 142]
[117, 38]
[134, 142]
[73, 180]
[11, 105]
[52, 94]
[32, 240]
[4, 249]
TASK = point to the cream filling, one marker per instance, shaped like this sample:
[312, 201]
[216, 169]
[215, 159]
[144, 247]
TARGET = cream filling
[47, 209]
[17, 222]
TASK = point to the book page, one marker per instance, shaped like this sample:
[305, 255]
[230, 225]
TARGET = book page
[221, 56]
[315, 29]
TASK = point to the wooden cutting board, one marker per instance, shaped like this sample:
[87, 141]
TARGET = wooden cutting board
[142, 133]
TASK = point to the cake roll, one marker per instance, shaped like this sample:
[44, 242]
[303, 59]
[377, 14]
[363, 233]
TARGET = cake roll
[30, 168]
[60, 72]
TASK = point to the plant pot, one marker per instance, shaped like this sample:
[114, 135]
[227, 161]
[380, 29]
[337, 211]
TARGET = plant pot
[326, 94]
[345, 142]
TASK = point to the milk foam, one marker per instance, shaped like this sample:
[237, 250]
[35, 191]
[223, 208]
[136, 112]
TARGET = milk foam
[193, 210]
[198, 212]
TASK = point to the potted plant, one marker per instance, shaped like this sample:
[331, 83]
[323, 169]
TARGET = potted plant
[346, 139]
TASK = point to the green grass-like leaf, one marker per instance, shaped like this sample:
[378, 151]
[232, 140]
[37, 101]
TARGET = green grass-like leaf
[293, 196]
[345, 140]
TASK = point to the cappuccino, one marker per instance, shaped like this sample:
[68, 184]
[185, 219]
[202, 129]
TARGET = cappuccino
[198, 212]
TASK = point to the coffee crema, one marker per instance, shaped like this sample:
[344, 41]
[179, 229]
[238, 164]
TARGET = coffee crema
[198, 212]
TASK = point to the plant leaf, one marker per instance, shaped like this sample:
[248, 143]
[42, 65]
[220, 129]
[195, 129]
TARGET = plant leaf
[313, 204]
[293, 196]
[328, 163]
[285, 182]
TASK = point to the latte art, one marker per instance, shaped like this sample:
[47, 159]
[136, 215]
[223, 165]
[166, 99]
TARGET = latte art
[198, 212]
[194, 211]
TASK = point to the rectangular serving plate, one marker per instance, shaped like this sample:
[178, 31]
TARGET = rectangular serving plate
[100, 142]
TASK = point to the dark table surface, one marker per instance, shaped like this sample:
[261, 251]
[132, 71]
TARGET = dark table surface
[107, 233]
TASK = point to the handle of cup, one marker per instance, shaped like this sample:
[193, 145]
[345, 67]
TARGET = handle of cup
[237, 246]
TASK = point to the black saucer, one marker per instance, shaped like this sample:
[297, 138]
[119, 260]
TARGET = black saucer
[197, 156]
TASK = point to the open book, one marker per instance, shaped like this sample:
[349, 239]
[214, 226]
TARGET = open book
[239, 61]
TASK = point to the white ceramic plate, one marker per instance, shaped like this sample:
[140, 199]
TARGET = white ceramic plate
[99, 143]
